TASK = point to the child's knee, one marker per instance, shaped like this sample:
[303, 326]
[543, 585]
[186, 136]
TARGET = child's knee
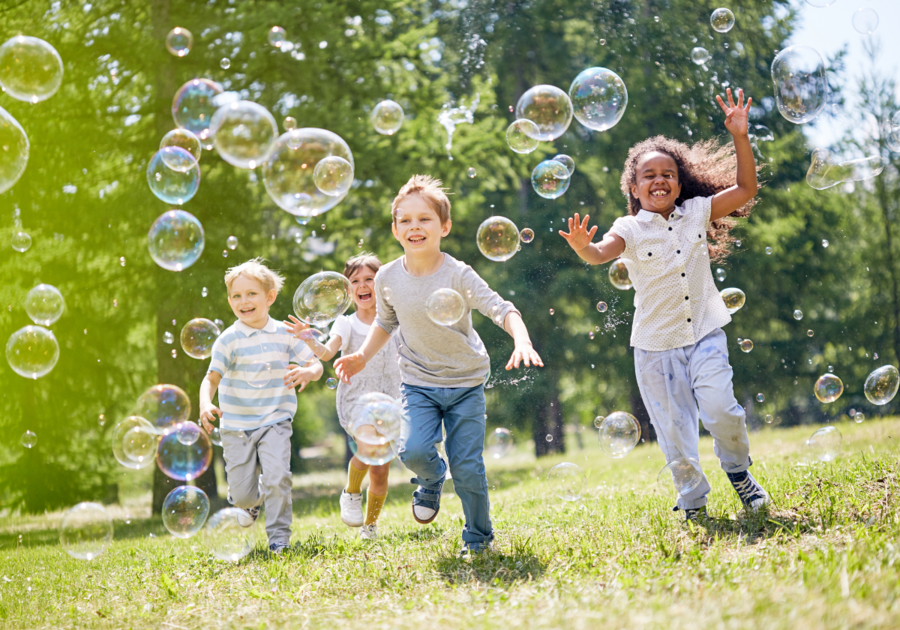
[414, 455]
[249, 498]
[470, 478]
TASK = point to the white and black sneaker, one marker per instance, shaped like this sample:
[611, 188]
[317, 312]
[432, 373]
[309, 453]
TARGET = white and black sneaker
[752, 495]
[351, 509]
[246, 518]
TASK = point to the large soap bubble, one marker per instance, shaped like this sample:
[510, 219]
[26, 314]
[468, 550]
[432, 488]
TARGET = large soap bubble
[44, 304]
[619, 434]
[289, 171]
[224, 536]
[322, 298]
[734, 299]
[882, 384]
[722, 20]
[86, 531]
[173, 175]
[32, 351]
[198, 337]
[164, 406]
[498, 238]
[333, 176]
[134, 442]
[599, 97]
[184, 461]
[566, 481]
[522, 136]
[193, 106]
[179, 41]
[183, 139]
[828, 388]
[682, 474]
[798, 73]
[550, 179]
[445, 307]
[824, 173]
[865, 20]
[499, 443]
[376, 426]
[30, 69]
[825, 444]
[387, 117]
[184, 511]
[244, 133]
[618, 275]
[549, 108]
[14, 149]
[175, 240]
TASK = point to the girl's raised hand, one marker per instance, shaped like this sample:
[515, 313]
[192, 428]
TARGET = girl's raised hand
[737, 117]
[295, 326]
[578, 237]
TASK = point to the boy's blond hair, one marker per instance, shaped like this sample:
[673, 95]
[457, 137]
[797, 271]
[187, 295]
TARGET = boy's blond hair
[255, 269]
[431, 190]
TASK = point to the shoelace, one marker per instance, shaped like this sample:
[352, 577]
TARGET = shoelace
[745, 488]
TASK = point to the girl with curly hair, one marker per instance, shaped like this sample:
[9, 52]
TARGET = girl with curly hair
[679, 201]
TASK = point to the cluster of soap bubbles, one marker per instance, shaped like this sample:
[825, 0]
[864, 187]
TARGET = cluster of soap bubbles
[498, 238]
[445, 307]
[376, 424]
[33, 351]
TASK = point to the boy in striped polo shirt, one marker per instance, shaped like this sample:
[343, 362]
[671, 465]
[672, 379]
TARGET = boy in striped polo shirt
[256, 364]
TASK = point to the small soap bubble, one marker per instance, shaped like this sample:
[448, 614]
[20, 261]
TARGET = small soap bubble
[551, 311]
[526, 235]
[738, 243]
[322, 298]
[722, 20]
[801, 88]
[198, 337]
[387, 117]
[204, 292]
[768, 418]
[44, 304]
[174, 353]
[471, 172]
[30, 70]
[591, 334]
[681, 474]
[187, 433]
[598, 421]
[825, 444]
[619, 434]
[86, 531]
[760, 398]
[602, 307]
[865, 21]
[809, 333]
[231, 242]
[182, 461]
[618, 275]
[550, 179]
[184, 511]
[193, 106]
[168, 337]
[179, 41]
[882, 384]
[175, 240]
[734, 299]
[566, 481]
[243, 133]
[173, 175]
[225, 63]
[828, 388]
[32, 351]
[549, 438]
[599, 98]
[498, 238]
[224, 253]
[331, 383]
[276, 36]
[798, 314]
[746, 345]
[122, 261]
[700, 55]
[21, 241]
[825, 243]
[522, 136]
[549, 108]
[333, 176]
[28, 439]
[215, 436]
[445, 307]
[720, 274]
[566, 161]
[289, 123]
[499, 443]
[768, 251]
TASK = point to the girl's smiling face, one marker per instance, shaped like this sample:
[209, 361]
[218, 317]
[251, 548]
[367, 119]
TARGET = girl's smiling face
[362, 282]
[656, 182]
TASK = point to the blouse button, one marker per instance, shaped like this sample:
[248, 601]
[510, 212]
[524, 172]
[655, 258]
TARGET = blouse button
[678, 252]
[682, 275]
[685, 297]
[649, 253]
[670, 229]
[689, 319]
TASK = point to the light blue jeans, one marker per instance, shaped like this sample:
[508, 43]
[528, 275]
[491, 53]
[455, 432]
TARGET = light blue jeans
[461, 410]
[675, 385]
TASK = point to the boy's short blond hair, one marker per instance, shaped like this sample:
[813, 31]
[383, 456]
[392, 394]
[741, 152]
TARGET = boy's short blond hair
[431, 190]
[255, 269]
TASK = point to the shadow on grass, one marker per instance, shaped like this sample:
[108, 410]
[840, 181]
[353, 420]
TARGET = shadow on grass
[521, 564]
[769, 522]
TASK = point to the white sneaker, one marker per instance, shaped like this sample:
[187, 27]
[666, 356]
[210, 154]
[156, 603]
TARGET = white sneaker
[351, 509]
[246, 518]
[369, 532]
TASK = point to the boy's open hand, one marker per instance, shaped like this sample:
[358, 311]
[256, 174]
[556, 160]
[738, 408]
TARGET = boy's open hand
[524, 353]
[297, 377]
[350, 365]
[295, 326]
[208, 415]
[737, 117]
[578, 237]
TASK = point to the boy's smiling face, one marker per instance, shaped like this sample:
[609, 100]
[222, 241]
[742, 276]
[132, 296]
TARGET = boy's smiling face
[250, 301]
[418, 227]
[656, 182]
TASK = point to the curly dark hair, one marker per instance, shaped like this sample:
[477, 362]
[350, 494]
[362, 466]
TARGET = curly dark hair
[704, 169]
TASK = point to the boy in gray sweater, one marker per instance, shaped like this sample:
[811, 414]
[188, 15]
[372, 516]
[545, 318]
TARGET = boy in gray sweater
[442, 368]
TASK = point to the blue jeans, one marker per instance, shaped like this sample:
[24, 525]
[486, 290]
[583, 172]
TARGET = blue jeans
[462, 411]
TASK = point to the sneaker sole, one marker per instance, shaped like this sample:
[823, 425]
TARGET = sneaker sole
[420, 521]
[349, 524]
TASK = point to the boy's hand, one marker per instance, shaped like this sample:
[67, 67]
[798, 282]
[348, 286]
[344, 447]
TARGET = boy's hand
[208, 415]
[348, 366]
[578, 237]
[297, 377]
[737, 117]
[526, 353]
[295, 326]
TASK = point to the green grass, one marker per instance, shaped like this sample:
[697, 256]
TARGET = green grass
[826, 555]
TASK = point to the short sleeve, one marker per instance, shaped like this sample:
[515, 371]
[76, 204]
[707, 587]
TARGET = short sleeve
[699, 209]
[481, 297]
[386, 316]
[221, 358]
[341, 328]
[299, 352]
[621, 227]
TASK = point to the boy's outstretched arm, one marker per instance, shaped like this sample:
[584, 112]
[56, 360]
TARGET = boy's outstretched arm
[524, 351]
[208, 411]
[300, 377]
[352, 364]
[737, 120]
[579, 238]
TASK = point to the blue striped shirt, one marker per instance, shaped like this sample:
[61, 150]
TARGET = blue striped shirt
[252, 363]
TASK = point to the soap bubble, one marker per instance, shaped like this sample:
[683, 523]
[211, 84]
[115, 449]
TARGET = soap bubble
[164, 406]
[682, 474]
[720, 274]
[168, 338]
[231, 242]
[618, 275]
[598, 421]
[288, 173]
[333, 176]
[134, 442]
[243, 133]
[224, 537]
[331, 383]
[522, 136]
[86, 531]
[44, 304]
[700, 55]
[28, 440]
[445, 307]
[602, 307]
[619, 434]
[183, 139]
[30, 69]
[599, 97]
[14, 156]
[322, 298]
[173, 175]
[809, 333]
[498, 238]
[566, 161]
[549, 108]
[175, 240]
[746, 345]
[526, 235]
[472, 172]
[761, 398]
[193, 106]
[499, 443]
[259, 374]
[387, 117]
[798, 73]
[859, 417]
[184, 462]
[276, 36]
[198, 337]
[734, 299]
[219, 324]
[865, 21]
[225, 63]
[215, 436]
[798, 314]
[566, 481]
[722, 20]
[289, 123]
[32, 351]
[179, 41]
[768, 251]
[824, 173]
[187, 432]
[825, 444]
[550, 179]
[375, 427]
[828, 388]
[184, 511]
[21, 241]
[881, 385]
[768, 419]
[820, 3]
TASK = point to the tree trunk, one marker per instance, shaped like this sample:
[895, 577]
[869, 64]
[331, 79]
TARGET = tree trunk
[639, 411]
[884, 202]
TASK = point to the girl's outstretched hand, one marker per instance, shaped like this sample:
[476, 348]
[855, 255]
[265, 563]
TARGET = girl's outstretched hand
[347, 366]
[737, 117]
[578, 237]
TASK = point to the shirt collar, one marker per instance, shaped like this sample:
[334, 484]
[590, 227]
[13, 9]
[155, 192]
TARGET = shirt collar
[270, 327]
[646, 215]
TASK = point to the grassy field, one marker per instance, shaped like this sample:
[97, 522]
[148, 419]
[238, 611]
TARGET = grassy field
[826, 555]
